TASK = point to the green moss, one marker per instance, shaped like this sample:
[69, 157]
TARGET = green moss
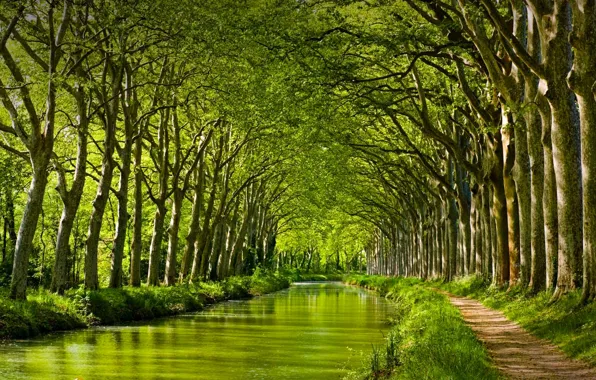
[429, 339]
[565, 322]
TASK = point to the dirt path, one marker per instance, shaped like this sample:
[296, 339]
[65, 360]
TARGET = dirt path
[515, 352]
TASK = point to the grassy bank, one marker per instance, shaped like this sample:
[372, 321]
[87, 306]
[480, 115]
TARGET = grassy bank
[44, 312]
[564, 323]
[428, 340]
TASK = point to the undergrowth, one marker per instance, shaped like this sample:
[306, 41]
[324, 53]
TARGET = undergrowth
[428, 340]
[45, 312]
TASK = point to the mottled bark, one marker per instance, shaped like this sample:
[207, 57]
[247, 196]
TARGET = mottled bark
[535, 151]
[453, 217]
[39, 141]
[513, 239]
[71, 199]
[521, 175]
[582, 81]
[194, 229]
[160, 200]
[137, 229]
[125, 153]
[499, 213]
[24, 246]
[488, 253]
[174, 228]
[116, 272]
[110, 95]
[553, 21]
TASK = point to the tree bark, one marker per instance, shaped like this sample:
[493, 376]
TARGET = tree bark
[137, 234]
[70, 199]
[582, 81]
[513, 221]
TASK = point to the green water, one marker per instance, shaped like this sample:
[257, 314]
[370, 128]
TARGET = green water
[310, 331]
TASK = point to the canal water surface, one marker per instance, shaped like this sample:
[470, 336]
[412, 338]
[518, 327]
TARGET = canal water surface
[309, 331]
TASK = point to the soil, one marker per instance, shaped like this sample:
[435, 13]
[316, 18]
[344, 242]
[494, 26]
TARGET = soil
[514, 351]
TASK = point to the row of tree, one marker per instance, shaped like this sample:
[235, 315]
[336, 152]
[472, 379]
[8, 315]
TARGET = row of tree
[454, 137]
[132, 108]
[472, 126]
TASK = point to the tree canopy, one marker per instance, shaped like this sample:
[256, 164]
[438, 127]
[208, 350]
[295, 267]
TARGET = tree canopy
[147, 141]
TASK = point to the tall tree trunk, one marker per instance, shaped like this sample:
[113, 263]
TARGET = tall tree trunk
[160, 201]
[521, 171]
[194, 229]
[538, 267]
[137, 234]
[534, 124]
[487, 237]
[170, 275]
[116, 272]
[24, 246]
[554, 21]
[71, 199]
[499, 213]
[156, 242]
[105, 182]
[582, 81]
[513, 238]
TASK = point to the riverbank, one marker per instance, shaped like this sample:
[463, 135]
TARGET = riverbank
[565, 323]
[44, 312]
[429, 338]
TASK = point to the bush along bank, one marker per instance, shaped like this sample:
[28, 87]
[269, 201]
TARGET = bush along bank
[44, 312]
[566, 323]
[428, 338]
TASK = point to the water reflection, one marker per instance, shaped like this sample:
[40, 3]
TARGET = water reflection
[306, 332]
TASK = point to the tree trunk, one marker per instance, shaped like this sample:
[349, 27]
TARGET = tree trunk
[116, 272]
[194, 229]
[170, 275]
[499, 213]
[24, 246]
[70, 199]
[487, 237]
[107, 171]
[137, 234]
[554, 21]
[521, 171]
[155, 248]
[99, 206]
[513, 238]
[582, 81]
[538, 182]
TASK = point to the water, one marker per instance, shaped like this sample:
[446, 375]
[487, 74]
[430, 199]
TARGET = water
[310, 331]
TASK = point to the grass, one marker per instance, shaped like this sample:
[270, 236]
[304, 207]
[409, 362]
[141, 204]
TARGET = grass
[565, 323]
[45, 312]
[428, 340]
[41, 313]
